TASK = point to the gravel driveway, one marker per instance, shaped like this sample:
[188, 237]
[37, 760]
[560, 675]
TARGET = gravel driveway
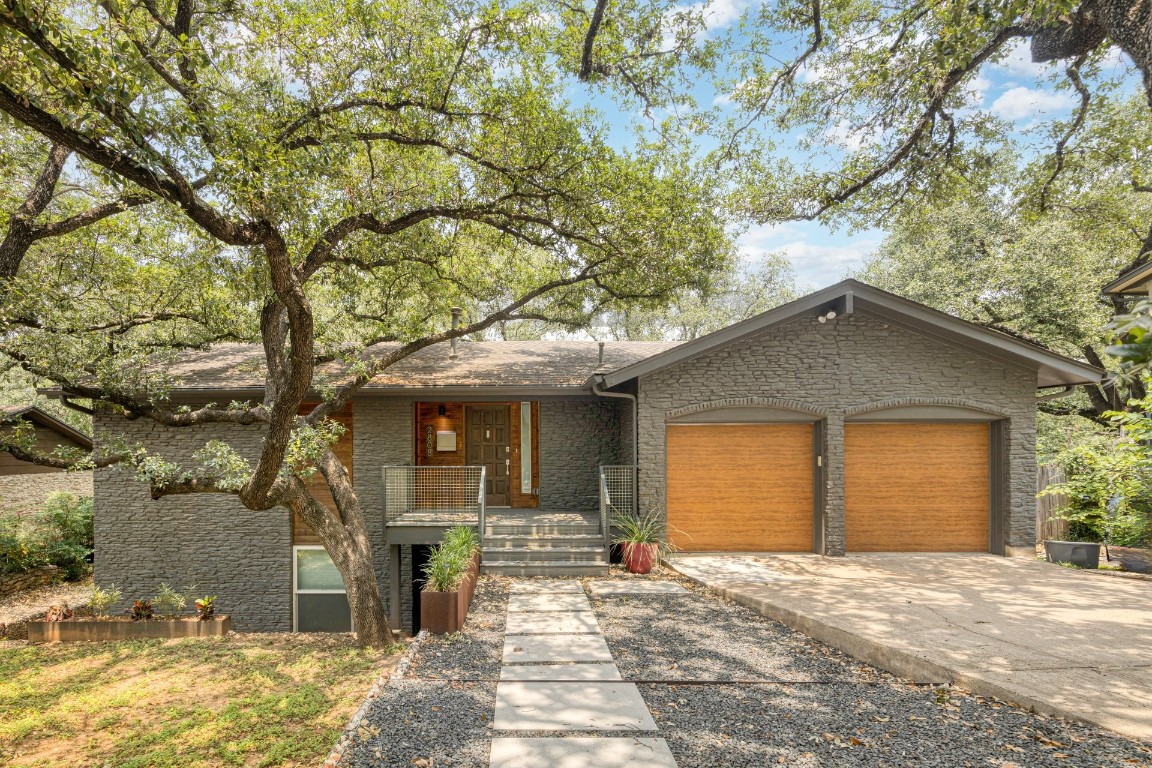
[726, 687]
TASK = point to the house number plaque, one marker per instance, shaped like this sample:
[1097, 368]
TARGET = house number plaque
[429, 440]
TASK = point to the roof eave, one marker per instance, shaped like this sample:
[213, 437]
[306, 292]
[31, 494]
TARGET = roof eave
[1123, 285]
[1052, 369]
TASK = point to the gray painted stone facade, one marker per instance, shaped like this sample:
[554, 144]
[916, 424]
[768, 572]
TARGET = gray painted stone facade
[207, 540]
[852, 364]
[576, 437]
[382, 435]
[245, 557]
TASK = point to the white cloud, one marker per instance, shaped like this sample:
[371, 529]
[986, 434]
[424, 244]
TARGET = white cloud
[979, 87]
[1019, 62]
[1020, 103]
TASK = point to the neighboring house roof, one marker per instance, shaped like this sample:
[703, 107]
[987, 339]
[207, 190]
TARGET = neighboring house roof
[1135, 280]
[478, 364]
[10, 413]
[1052, 370]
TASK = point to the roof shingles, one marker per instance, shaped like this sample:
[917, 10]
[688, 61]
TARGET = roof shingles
[544, 364]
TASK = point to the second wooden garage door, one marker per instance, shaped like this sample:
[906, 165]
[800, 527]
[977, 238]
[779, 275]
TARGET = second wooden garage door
[916, 487]
[740, 487]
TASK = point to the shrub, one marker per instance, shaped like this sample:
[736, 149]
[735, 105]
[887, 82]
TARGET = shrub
[141, 610]
[169, 602]
[66, 520]
[206, 607]
[1107, 483]
[22, 544]
[103, 599]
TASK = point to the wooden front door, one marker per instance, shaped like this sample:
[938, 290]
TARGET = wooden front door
[489, 444]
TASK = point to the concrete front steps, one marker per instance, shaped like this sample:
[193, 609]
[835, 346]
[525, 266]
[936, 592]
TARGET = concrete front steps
[530, 543]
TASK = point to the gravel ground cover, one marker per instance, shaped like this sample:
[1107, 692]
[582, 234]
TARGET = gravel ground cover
[819, 707]
[836, 711]
[440, 714]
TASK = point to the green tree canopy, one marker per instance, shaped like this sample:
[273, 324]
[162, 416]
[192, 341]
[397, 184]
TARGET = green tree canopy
[321, 177]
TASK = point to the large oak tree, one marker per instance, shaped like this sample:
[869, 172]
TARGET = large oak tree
[319, 177]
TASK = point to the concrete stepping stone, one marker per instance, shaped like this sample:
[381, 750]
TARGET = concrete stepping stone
[528, 649]
[560, 602]
[552, 622]
[601, 588]
[581, 752]
[583, 706]
[559, 586]
[561, 672]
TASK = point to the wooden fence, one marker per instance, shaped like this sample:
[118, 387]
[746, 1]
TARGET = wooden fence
[1048, 526]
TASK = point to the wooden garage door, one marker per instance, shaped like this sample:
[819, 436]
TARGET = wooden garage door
[740, 487]
[916, 487]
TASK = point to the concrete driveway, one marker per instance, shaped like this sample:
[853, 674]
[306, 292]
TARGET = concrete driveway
[1060, 641]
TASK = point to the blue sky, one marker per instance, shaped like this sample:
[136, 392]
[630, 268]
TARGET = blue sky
[1015, 90]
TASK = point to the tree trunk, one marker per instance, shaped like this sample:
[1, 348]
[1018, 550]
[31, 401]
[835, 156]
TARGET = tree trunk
[368, 616]
[348, 544]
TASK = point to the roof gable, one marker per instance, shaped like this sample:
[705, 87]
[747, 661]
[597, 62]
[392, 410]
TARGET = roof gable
[10, 413]
[845, 297]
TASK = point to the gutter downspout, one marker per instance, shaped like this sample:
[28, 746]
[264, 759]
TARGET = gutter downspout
[597, 389]
[597, 384]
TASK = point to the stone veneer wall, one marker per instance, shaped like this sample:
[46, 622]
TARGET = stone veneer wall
[382, 435]
[207, 540]
[40, 576]
[576, 437]
[854, 361]
[23, 494]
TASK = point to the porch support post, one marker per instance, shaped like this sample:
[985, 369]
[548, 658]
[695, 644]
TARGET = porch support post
[394, 617]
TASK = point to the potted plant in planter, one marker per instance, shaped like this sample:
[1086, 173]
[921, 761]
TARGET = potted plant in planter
[160, 617]
[450, 581]
[642, 539]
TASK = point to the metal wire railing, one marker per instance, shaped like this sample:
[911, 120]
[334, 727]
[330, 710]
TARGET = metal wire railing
[447, 492]
[617, 495]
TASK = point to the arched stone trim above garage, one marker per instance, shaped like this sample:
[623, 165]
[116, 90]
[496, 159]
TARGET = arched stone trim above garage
[924, 409]
[745, 410]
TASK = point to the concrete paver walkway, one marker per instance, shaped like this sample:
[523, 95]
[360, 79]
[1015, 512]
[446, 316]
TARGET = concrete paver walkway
[1060, 641]
[558, 675]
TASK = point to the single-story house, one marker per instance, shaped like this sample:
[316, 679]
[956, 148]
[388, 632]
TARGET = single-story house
[850, 420]
[25, 486]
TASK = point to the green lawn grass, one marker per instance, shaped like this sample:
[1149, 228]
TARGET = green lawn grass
[242, 700]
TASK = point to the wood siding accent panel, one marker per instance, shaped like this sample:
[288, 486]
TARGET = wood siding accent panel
[916, 487]
[301, 531]
[741, 487]
[428, 417]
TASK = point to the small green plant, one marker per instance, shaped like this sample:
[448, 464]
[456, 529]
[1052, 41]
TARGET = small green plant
[169, 602]
[141, 610]
[103, 599]
[449, 560]
[462, 539]
[206, 607]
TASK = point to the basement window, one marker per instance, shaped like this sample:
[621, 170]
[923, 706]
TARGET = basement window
[320, 603]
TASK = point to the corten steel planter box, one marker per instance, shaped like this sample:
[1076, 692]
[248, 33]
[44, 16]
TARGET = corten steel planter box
[1081, 553]
[79, 630]
[442, 613]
